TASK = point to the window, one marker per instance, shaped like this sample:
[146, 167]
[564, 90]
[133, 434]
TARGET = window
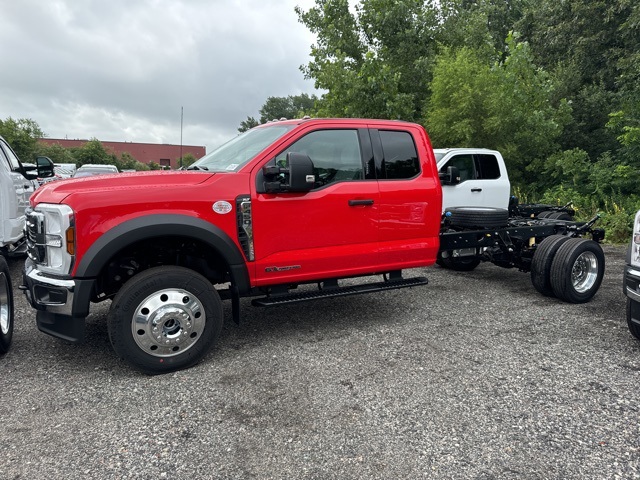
[335, 155]
[400, 155]
[13, 160]
[464, 164]
[488, 167]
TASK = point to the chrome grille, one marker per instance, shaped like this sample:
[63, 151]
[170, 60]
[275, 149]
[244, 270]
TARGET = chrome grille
[35, 236]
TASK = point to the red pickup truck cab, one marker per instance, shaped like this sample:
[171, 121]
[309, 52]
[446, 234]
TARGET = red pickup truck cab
[290, 203]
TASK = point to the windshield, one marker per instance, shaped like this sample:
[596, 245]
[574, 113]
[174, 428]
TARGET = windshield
[231, 156]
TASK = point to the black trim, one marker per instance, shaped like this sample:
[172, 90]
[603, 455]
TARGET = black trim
[150, 226]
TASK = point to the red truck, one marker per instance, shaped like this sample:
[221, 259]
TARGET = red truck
[287, 204]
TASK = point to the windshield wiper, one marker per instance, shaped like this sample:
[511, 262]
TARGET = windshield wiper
[197, 167]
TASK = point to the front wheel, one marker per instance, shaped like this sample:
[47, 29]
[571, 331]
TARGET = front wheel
[165, 319]
[577, 270]
[6, 307]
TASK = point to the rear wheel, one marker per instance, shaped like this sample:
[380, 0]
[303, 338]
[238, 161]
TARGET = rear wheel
[541, 263]
[6, 307]
[165, 319]
[577, 270]
[633, 317]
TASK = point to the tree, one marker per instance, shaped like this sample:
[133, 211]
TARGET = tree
[22, 135]
[247, 124]
[187, 160]
[93, 152]
[56, 152]
[374, 63]
[505, 105]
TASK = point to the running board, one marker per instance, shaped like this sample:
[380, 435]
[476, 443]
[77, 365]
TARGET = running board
[338, 291]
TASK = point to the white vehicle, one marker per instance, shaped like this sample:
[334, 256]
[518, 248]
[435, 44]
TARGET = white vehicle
[16, 186]
[483, 178]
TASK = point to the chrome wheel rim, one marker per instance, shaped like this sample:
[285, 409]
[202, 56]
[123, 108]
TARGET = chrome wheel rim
[168, 322]
[584, 272]
[5, 321]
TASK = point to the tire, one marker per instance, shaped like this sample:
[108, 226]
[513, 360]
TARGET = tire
[165, 319]
[6, 307]
[541, 263]
[577, 270]
[477, 217]
[559, 216]
[545, 214]
[633, 317]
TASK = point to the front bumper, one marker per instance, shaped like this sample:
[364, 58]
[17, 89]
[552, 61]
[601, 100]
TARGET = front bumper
[631, 283]
[62, 304]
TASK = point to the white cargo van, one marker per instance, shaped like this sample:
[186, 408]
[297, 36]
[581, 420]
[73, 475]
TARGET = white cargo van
[16, 186]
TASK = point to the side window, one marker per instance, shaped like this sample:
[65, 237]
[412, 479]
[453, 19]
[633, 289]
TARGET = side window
[335, 154]
[464, 164]
[488, 168]
[400, 155]
[13, 160]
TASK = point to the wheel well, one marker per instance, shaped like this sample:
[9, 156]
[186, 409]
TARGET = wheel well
[156, 251]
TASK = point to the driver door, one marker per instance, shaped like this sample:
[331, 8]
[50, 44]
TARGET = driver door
[329, 231]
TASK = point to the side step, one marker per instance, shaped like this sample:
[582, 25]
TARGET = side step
[338, 291]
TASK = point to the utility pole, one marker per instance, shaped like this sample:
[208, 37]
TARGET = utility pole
[181, 118]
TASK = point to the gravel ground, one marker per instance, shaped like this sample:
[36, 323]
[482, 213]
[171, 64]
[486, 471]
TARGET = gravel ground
[475, 376]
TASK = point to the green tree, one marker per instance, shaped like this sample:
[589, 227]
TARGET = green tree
[505, 105]
[22, 135]
[56, 152]
[293, 106]
[187, 159]
[248, 124]
[93, 152]
[375, 62]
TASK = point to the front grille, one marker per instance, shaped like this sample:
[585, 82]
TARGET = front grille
[35, 236]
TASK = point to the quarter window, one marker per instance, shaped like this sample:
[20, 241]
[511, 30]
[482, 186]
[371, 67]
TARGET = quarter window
[400, 155]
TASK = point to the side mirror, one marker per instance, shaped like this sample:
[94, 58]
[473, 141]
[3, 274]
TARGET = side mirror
[297, 176]
[301, 176]
[452, 177]
[45, 167]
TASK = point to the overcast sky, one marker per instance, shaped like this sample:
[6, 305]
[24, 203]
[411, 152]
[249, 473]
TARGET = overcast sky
[120, 70]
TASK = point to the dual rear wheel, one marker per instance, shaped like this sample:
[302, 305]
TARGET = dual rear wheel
[570, 269]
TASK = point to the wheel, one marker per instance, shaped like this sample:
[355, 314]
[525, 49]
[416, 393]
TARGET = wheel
[633, 317]
[577, 270]
[165, 319]
[477, 217]
[541, 263]
[545, 214]
[6, 307]
[559, 216]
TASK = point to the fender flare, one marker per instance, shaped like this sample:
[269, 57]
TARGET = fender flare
[149, 226]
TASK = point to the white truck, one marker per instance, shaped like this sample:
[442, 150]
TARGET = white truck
[17, 183]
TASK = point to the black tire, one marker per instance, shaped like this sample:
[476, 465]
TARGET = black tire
[633, 317]
[559, 216]
[477, 217]
[541, 263]
[545, 214]
[165, 319]
[6, 307]
[577, 270]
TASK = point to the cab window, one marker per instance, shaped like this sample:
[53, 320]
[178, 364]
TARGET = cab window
[335, 154]
[400, 155]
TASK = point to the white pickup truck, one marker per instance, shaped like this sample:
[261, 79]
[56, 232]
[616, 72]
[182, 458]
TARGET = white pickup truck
[17, 183]
[484, 181]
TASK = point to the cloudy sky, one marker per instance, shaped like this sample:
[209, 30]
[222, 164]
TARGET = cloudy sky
[121, 70]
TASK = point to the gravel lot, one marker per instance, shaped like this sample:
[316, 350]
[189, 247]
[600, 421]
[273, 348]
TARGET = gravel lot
[475, 376]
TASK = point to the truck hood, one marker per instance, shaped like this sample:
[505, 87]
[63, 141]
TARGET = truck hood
[56, 192]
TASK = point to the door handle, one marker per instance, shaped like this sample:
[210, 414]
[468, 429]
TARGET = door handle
[355, 203]
[476, 189]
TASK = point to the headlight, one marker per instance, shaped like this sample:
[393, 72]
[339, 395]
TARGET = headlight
[635, 242]
[51, 237]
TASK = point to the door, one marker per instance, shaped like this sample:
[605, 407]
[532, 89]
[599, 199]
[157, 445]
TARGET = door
[15, 191]
[329, 231]
[482, 183]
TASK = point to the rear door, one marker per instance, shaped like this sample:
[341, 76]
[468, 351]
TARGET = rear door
[14, 195]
